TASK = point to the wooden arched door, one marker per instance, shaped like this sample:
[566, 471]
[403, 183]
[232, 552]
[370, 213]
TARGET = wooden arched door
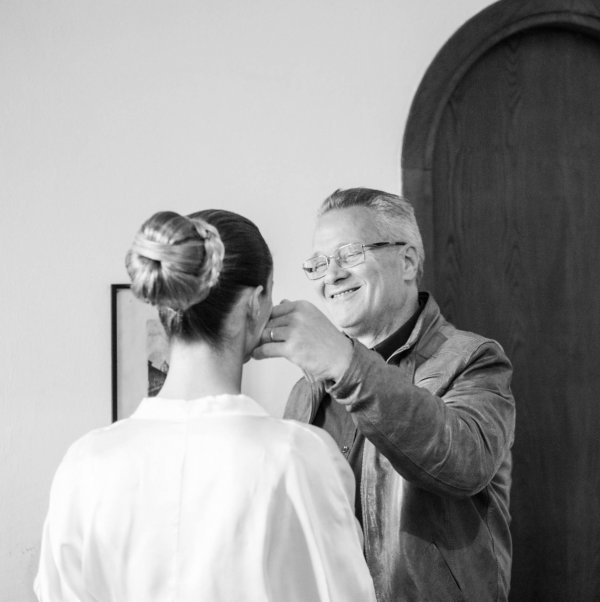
[501, 158]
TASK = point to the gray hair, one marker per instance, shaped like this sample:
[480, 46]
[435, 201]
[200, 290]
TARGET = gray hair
[394, 215]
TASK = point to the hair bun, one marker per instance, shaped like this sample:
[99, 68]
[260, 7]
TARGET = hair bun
[175, 261]
[214, 252]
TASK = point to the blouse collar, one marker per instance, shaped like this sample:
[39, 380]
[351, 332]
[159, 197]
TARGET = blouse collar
[158, 408]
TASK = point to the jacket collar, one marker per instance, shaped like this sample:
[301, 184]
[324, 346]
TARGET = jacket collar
[425, 337]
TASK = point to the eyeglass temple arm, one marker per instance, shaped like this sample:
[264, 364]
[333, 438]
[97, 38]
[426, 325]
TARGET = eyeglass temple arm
[383, 244]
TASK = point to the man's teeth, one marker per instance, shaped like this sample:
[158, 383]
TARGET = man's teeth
[338, 295]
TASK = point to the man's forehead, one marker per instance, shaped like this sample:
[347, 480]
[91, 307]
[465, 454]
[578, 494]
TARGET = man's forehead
[342, 226]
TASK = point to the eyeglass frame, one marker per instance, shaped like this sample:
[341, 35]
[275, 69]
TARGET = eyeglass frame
[336, 256]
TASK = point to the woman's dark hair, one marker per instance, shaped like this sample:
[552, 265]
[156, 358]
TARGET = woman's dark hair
[194, 267]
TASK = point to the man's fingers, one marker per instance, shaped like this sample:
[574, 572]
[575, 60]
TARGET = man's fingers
[284, 308]
[268, 350]
[276, 322]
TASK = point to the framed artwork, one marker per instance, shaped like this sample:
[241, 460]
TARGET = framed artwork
[140, 353]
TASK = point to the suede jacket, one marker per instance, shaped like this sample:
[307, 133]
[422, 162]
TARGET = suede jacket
[438, 420]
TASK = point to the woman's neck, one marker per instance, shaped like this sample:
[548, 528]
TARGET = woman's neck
[198, 370]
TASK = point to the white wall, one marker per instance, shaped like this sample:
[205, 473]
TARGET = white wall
[112, 110]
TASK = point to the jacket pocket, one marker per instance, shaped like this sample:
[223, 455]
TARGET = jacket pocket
[440, 584]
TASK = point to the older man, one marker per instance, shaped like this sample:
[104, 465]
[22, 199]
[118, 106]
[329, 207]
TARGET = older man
[422, 411]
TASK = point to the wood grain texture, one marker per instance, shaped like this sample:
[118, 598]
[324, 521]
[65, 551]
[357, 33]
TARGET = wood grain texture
[516, 223]
[486, 29]
[510, 195]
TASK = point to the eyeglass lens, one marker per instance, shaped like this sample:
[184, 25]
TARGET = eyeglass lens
[346, 256]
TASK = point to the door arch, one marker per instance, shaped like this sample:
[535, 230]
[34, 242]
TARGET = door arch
[501, 158]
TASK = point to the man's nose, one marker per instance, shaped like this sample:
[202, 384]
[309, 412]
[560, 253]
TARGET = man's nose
[334, 272]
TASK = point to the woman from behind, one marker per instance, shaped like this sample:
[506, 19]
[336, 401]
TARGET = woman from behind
[201, 495]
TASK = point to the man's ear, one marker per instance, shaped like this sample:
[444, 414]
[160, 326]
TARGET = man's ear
[254, 302]
[411, 262]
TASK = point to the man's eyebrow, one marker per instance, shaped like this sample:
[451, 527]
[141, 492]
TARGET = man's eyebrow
[342, 244]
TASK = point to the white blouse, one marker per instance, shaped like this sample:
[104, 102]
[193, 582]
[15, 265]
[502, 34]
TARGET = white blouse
[210, 500]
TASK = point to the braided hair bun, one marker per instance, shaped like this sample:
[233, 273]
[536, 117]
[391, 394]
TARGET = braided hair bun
[174, 261]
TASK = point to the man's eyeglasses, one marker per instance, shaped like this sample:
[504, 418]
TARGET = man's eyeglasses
[347, 256]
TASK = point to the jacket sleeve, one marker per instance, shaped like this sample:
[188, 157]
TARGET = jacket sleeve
[304, 400]
[449, 435]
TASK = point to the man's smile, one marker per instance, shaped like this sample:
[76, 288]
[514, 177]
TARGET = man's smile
[343, 293]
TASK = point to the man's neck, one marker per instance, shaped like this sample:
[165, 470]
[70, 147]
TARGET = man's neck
[372, 339]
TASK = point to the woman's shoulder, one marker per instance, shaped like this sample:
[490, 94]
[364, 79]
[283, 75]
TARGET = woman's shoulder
[93, 444]
[303, 440]
[308, 432]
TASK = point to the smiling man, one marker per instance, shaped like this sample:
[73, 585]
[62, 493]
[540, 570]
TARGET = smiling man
[422, 411]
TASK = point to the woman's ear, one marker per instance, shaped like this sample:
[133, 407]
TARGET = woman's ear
[254, 302]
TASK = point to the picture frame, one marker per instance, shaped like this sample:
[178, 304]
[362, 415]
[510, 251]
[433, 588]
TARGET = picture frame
[139, 350]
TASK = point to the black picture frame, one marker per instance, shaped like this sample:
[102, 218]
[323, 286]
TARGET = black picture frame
[139, 351]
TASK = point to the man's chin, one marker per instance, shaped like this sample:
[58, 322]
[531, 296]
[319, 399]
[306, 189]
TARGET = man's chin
[342, 321]
[348, 328]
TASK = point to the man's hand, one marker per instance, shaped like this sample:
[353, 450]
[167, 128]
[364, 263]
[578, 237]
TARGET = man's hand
[302, 334]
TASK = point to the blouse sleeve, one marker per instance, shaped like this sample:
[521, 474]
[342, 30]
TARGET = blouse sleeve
[59, 574]
[314, 549]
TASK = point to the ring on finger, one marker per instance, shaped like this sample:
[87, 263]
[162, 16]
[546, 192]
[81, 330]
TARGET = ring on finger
[271, 335]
